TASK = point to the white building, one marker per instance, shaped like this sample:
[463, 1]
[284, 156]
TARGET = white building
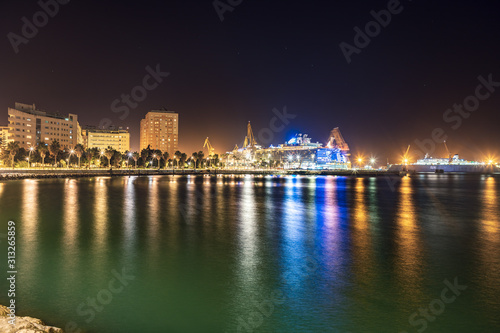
[30, 127]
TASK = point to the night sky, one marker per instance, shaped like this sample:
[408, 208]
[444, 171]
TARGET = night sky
[263, 56]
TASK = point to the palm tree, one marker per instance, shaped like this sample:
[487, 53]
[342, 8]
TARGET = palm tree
[79, 149]
[145, 155]
[183, 159]
[109, 153]
[165, 157]
[135, 157]
[54, 149]
[215, 160]
[89, 155]
[178, 156]
[13, 148]
[117, 156]
[157, 155]
[201, 155]
[43, 150]
[194, 156]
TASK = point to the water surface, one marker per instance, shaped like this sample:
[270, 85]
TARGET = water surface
[261, 254]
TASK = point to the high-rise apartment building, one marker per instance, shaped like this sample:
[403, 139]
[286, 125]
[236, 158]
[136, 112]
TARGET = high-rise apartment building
[4, 136]
[30, 126]
[118, 139]
[160, 130]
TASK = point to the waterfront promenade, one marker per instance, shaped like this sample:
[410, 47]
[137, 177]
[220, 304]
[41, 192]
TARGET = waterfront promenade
[6, 174]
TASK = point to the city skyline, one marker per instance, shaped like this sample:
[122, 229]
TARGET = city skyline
[434, 145]
[221, 74]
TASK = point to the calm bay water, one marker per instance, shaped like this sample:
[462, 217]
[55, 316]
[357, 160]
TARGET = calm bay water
[274, 254]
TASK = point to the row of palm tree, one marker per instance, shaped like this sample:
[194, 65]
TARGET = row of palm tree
[145, 158]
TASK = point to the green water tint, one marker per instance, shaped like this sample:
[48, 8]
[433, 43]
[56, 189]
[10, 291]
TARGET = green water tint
[272, 254]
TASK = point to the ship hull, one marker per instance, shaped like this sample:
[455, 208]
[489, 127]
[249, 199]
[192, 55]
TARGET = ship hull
[445, 168]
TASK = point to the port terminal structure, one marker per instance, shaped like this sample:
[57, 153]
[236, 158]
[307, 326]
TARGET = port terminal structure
[297, 153]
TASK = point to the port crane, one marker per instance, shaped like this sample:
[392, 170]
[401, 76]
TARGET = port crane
[336, 140]
[211, 150]
[250, 138]
[448, 151]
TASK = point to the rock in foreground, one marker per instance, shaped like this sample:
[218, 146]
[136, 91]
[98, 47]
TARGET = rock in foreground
[24, 324]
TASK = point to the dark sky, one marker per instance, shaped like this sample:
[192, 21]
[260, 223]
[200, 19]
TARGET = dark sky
[265, 55]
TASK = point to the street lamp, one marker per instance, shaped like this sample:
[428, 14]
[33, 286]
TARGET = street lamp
[29, 155]
[71, 152]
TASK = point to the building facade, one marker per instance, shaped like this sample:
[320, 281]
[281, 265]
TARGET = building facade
[118, 139]
[4, 136]
[31, 127]
[160, 130]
